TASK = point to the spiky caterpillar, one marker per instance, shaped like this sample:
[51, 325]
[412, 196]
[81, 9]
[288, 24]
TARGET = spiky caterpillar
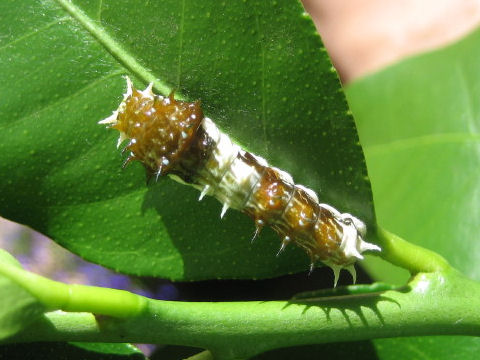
[173, 137]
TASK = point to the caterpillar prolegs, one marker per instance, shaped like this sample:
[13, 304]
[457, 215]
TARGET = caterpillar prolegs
[172, 137]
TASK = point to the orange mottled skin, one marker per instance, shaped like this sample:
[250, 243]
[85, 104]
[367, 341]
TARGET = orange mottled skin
[160, 129]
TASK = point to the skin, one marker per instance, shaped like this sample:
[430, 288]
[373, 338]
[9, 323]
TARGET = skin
[363, 36]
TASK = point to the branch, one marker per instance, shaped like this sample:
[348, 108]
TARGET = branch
[412, 257]
[432, 304]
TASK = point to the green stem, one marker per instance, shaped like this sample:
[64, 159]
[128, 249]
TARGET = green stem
[242, 329]
[55, 295]
[412, 257]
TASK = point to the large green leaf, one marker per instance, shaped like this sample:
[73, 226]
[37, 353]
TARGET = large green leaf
[419, 122]
[262, 74]
[111, 349]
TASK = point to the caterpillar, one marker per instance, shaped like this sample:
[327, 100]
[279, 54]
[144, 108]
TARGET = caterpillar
[174, 138]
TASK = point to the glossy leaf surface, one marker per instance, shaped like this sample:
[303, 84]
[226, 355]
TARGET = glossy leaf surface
[419, 123]
[262, 74]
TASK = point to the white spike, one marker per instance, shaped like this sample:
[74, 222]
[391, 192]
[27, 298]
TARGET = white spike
[336, 273]
[255, 234]
[286, 240]
[112, 119]
[224, 210]
[148, 91]
[121, 138]
[158, 173]
[352, 271]
[204, 192]
[129, 88]
[364, 246]
[282, 247]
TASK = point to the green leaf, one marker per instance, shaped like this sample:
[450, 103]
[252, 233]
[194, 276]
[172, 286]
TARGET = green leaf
[65, 351]
[419, 122]
[110, 348]
[18, 308]
[262, 74]
[428, 348]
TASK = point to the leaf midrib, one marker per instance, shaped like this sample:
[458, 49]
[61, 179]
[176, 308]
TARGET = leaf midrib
[114, 47]
[419, 141]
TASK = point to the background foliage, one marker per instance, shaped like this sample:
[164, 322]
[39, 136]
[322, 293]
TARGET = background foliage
[263, 75]
[419, 124]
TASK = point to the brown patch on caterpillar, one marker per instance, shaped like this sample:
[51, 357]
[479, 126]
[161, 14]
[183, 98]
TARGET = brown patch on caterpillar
[295, 216]
[171, 136]
[160, 129]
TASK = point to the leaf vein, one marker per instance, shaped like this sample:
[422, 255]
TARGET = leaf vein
[180, 45]
[263, 85]
[34, 32]
[114, 47]
[60, 100]
[426, 140]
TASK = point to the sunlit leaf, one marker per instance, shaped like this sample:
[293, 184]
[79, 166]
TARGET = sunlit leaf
[261, 73]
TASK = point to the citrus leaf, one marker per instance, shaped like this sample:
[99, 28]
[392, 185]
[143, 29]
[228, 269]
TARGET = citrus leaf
[262, 74]
[419, 122]
[428, 348]
[124, 349]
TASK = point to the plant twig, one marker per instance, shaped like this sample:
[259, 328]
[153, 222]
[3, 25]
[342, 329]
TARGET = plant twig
[412, 257]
